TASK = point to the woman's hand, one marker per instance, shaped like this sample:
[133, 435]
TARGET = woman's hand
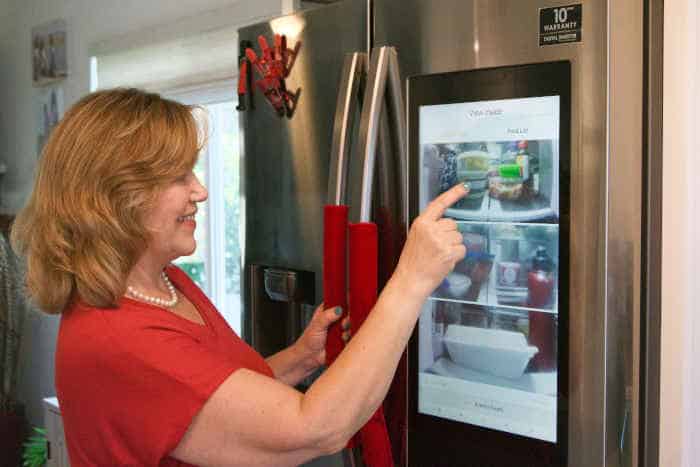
[298, 361]
[433, 247]
[312, 343]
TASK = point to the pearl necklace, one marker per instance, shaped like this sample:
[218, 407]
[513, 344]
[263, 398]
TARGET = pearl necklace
[156, 300]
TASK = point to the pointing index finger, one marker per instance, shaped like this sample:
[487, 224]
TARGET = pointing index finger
[437, 207]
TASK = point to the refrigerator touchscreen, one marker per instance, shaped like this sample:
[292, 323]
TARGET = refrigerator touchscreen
[487, 353]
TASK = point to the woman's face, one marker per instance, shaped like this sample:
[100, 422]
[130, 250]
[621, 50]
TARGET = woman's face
[171, 220]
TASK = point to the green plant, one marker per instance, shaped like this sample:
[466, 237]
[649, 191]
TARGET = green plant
[35, 453]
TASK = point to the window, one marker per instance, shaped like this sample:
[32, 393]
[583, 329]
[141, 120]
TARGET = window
[215, 265]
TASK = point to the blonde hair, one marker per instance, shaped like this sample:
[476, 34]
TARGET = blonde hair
[82, 229]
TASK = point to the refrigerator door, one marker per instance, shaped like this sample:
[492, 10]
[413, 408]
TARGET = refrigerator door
[374, 247]
[285, 161]
[452, 35]
[502, 382]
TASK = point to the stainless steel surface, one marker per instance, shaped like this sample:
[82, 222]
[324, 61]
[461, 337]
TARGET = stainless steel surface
[285, 162]
[449, 35]
[369, 125]
[370, 25]
[625, 158]
[384, 169]
[347, 106]
[352, 458]
[383, 153]
[651, 224]
[270, 333]
[398, 112]
[383, 131]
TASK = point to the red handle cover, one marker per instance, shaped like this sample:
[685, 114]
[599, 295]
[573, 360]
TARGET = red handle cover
[374, 438]
[364, 254]
[363, 271]
[335, 227]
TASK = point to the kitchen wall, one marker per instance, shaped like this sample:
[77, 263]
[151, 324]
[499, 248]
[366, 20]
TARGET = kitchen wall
[89, 22]
[7, 33]
[680, 328]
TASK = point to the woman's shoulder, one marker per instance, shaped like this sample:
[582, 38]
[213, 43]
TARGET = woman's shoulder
[125, 333]
[128, 318]
[83, 331]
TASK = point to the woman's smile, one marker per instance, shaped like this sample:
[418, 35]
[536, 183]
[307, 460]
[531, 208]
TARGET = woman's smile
[188, 220]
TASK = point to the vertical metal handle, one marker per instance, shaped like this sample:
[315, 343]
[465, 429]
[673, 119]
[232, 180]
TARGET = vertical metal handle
[369, 125]
[400, 128]
[383, 76]
[347, 105]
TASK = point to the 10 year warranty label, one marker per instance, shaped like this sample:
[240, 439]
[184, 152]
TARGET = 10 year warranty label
[560, 25]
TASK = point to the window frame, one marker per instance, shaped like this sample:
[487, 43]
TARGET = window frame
[209, 94]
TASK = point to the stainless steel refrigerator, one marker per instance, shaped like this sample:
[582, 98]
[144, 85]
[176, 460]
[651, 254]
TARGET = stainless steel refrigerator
[540, 348]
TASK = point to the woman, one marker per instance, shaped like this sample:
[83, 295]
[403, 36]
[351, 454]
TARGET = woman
[147, 371]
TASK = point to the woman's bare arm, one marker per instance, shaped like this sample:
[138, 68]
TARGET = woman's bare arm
[253, 420]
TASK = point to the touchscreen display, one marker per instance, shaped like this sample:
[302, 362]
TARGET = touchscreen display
[488, 334]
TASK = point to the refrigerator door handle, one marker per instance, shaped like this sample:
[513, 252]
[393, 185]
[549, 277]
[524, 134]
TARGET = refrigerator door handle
[400, 127]
[347, 106]
[383, 81]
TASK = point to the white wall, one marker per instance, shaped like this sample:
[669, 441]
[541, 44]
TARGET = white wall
[89, 22]
[680, 329]
[7, 110]
[693, 426]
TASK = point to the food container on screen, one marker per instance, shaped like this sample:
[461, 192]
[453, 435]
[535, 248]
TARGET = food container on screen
[494, 351]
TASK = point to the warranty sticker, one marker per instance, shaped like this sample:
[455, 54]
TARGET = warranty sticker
[560, 25]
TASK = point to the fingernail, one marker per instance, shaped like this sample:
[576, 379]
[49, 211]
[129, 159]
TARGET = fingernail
[338, 311]
[466, 186]
[346, 325]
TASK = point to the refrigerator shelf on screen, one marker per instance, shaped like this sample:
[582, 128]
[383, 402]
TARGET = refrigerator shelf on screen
[510, 161]
[507, 264]
[436, 298]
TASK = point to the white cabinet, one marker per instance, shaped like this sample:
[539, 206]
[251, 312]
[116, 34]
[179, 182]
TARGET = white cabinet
[58, 453]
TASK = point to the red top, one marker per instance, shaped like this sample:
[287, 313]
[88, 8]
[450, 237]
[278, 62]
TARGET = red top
[129, 380]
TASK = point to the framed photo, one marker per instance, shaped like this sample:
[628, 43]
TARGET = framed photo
[49, 54]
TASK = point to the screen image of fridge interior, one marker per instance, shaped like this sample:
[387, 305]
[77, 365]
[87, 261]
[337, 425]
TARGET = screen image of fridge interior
[488, 356]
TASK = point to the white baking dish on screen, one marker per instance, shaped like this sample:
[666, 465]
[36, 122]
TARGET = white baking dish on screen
[494, 351]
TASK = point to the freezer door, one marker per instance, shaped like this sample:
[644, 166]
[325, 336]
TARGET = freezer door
[606, 146]
[285, 161]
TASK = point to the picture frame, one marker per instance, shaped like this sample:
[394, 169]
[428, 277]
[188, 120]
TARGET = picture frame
[49, 53]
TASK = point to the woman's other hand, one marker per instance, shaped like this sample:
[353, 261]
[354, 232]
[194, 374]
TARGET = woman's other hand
[433, 246]
[312, 343]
